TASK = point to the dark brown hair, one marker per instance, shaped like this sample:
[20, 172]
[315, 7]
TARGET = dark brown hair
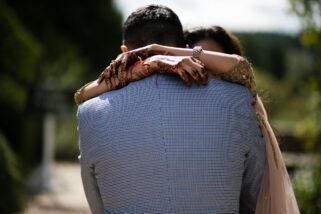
[153, 24]
[229, 43]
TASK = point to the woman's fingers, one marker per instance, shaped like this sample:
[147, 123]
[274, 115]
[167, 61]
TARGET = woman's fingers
[114, 82]
[195, 70]
[108, 70]
[200, 67]
[205, 75]
[123, 67]
[183, 75]
[104, 74]
[186, 67]
[108, 84]
[192, 72]
[115, 65]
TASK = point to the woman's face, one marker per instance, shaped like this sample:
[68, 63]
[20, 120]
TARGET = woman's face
[209, 44]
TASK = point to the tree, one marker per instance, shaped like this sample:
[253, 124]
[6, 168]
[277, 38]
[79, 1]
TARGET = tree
[13, 193]
[309, 12]
[20, 55]
[80, 37]
[69, 42]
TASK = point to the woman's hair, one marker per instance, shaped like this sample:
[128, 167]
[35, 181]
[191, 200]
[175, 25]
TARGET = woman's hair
[226, 40]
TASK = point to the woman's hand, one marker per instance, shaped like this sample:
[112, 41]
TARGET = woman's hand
[119, 66]
[185, 66]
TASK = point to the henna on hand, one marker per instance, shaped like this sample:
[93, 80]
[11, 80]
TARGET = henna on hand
[127, 59]
[117, 73]
[184, 66]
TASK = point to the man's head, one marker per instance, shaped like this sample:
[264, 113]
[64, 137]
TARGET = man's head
[153, 24]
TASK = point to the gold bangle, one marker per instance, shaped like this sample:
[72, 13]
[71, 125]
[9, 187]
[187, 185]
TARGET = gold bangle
[197, 51]
[79, 95]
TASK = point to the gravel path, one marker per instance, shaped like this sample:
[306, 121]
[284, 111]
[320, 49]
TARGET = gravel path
[67, 195]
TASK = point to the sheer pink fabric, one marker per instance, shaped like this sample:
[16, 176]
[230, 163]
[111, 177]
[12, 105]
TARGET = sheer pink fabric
[276, 195]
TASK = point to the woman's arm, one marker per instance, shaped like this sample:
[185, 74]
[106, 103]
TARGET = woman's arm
[184, 66]
[215, 62]
[229, 67]
[89, 90]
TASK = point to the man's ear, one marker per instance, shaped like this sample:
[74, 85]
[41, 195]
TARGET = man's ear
[123, 48]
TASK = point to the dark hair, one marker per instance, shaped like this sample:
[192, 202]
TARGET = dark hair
[229, 43]
[153, 24]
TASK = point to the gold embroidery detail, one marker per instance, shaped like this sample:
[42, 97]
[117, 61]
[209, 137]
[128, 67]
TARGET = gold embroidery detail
[242, 74]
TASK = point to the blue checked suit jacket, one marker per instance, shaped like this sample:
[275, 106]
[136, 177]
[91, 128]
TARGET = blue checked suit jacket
[157, 146]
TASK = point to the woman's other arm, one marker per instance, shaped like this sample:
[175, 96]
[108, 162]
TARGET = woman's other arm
[230, 67]
[184, 66]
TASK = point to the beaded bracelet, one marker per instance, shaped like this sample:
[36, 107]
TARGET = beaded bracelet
[197, 51]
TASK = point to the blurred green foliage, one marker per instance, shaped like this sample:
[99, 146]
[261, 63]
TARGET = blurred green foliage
[20, 55]
[309, 12]
[282, 66]
[12, 194]
[269, 50]
[24, 57]
[66, 147]
[308, 186]
[62, 44]
[48, 49]
[80, 34]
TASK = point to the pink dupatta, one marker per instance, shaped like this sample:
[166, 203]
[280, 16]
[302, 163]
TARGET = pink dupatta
[276, 195]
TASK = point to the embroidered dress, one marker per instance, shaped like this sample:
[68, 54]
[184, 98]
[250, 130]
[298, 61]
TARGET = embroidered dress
[276, 194]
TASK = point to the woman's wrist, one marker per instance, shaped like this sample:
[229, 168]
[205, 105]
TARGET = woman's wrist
[81, 95]
[157, 49]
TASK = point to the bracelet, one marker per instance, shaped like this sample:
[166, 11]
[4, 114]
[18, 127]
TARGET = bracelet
[197, 51]
[79, 96]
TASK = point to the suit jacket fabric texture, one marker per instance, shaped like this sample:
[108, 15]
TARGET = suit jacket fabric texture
[157, 146]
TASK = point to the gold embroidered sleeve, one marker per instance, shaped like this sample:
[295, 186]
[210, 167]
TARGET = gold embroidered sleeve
[242, 74]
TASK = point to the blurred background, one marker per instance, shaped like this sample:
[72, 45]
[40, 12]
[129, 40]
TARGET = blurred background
[48, 49]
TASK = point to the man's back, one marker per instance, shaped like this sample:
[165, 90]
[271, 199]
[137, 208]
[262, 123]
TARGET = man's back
[157, 146]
